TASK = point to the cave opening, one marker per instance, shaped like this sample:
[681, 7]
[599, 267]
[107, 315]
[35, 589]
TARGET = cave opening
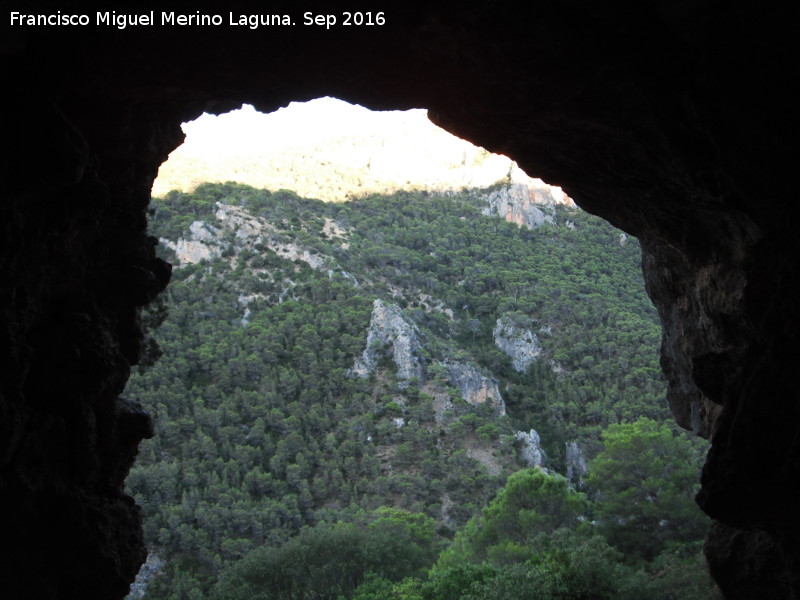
[638, 112]
[361, 159]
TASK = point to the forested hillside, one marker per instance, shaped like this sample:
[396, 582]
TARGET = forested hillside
[342, 375]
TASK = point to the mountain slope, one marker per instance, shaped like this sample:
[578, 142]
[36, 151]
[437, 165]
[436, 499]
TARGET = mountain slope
[321, 359]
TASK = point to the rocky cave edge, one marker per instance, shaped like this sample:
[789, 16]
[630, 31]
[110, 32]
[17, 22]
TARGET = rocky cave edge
[672, 120]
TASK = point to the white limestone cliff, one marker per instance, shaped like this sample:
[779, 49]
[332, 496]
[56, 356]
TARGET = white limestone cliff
[474, 386]
[390, 333]
[517, 341]
[532, 452]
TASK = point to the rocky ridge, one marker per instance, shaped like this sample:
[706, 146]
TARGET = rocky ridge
[353, 152]
[238, 229]
[526, 201]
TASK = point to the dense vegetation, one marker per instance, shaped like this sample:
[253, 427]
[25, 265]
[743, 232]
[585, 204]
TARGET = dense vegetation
[271, 457]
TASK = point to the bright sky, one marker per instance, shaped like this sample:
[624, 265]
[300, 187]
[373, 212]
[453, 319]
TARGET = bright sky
[330, 149]
[298, 124]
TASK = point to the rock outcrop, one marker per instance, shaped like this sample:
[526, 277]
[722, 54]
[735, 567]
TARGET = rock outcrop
[149, 569]
[206, 241]
[531, 450]
[202, 244]
[391, 334]
[576, 463]
[475, 387]
[518, 342]
[526, 201]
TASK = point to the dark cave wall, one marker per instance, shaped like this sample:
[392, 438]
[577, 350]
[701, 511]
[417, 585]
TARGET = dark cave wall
[75, 265]
[671, 121]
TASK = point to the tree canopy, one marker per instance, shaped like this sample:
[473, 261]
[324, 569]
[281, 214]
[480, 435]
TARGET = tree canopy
[267, 443]
[646, 478]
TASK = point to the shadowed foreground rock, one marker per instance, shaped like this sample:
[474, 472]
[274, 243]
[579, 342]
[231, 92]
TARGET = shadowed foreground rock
[671, 120]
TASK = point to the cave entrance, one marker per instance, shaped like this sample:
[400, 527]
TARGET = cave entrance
[390, 242]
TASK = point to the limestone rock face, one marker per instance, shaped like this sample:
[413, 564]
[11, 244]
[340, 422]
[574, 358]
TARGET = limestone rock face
[390, 333]
[532, 451]
[518, 342]
[575, 463]
[149, 569]
[526, 201]
[474, 386]
[206, 241]
[202, 244]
